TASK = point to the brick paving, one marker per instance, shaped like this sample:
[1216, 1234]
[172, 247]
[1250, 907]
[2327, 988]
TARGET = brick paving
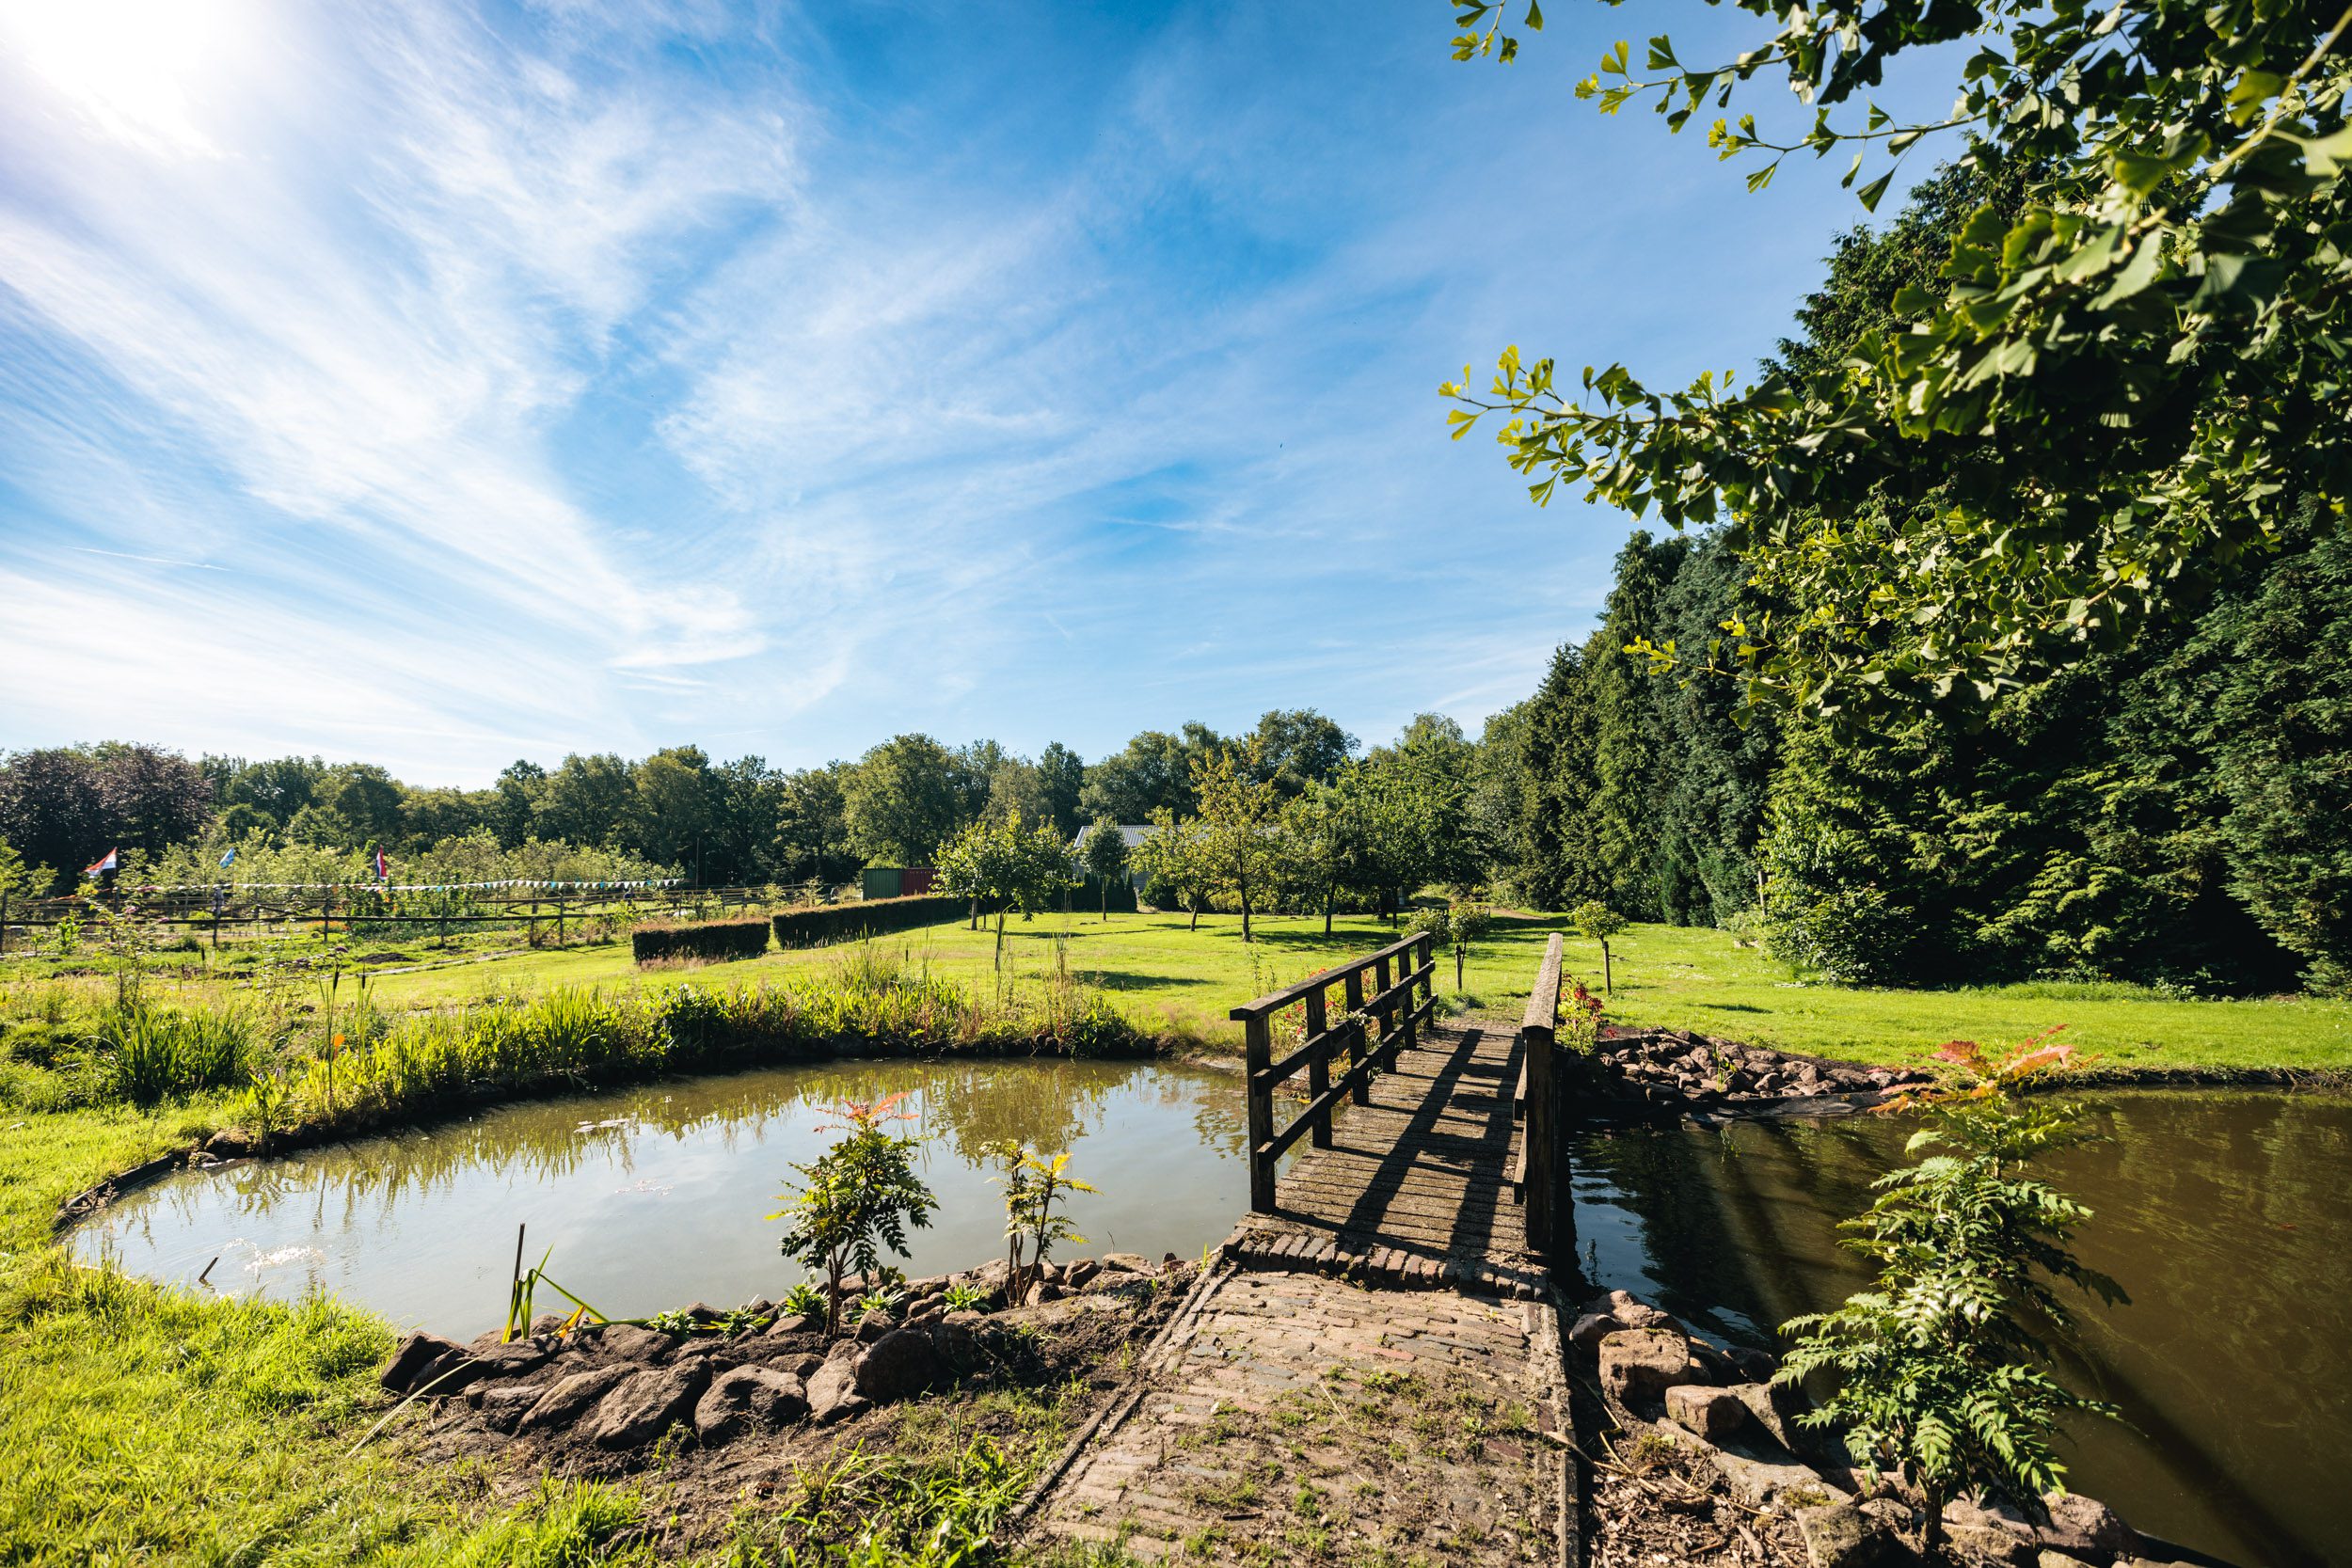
[1294, 1416]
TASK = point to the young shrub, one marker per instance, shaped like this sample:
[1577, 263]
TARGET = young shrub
[1031, 1227]
[1596, 922]
[1935, 1372]
[858, 1198]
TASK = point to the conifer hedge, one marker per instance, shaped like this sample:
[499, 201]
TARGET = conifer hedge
[867, 918]
[717, 939]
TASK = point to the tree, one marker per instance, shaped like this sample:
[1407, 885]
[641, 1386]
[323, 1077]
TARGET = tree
[1062, 780]
[1032, 1229]
[812, 830]
[1171, 854]
[586, 802]
[1293, 748]
[1004, 865]
[904, 799]
[1325, 830]
[739, 831]
[2113, 393]
[519, 789]
[1561, 862]
[67, 806]
[1628, 726]
[429, 815]
[855, 1200]
[20, 880]
[1240, 844]
[1596, 922]
[1939, 1369]
[1155, 770]
[671, 796]
[1103, 852]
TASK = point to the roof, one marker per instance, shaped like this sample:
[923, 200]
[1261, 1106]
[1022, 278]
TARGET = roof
[1131, 832]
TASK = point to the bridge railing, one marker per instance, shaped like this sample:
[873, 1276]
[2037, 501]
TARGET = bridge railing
[1392, 989]
[1538, 1180]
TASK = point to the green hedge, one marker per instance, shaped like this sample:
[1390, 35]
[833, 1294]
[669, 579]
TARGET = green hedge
[871, 917]
[717, 939]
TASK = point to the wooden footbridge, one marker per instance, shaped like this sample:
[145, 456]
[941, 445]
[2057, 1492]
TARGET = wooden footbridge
[1411, 1236]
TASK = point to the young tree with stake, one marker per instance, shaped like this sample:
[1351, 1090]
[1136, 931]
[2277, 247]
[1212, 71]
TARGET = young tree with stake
[1104, 853]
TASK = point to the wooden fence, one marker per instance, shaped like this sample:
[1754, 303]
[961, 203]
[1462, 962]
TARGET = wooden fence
[1395, 972]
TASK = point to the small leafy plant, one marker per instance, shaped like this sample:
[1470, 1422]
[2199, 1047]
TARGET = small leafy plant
[1596, 922]
[804, 1300]
[857, 1199]
[960, 1297]
[1032, 1229]
[1935, 1372]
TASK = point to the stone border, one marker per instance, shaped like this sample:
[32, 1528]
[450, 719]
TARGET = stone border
[1392, 1267]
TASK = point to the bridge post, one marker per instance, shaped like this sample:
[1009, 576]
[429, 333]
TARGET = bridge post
[1544, 1159]
[1410, 1031]
[1258, 1064]
[1318, 1067]
[1386, 1049]
[1361, 1043]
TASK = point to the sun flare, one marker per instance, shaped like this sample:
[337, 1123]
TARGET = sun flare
[143, 72]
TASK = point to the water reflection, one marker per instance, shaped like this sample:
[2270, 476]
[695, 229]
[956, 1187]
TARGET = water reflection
[655, 1197]
[2224, 1217]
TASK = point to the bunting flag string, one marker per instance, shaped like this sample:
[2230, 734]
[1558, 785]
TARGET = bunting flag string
[526, 884]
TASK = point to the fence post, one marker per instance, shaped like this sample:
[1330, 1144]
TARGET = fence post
[1257, 1061]
[1381, 979]
[1544, 1156]
[1318, 1067]
[1416, 959]
[1360, 1044]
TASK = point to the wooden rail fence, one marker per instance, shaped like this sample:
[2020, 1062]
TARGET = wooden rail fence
[1540, 1182]
[1395, 972]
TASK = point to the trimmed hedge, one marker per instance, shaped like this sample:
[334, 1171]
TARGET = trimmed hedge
[717, 939]
[871, 917]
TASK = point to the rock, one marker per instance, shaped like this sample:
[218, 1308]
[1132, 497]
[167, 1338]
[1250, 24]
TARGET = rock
[643, 1405]
[231, 1144]
[2058, 1560]
[546, 1325]
[749, 1400]
[1591, 1329]
[1775, 1407]
[1755, 1365]
[799, 1323]
[634, 1342]
[512, 1360]
[420, 1358]
[1711, 1412]
[759, 1307]
[566, 1399]
[1084, 1270]
[1774, 1483]
[832, 1394]
[929, 1312]
[1643, 1363]
[1839, 1535]
[703, 1312]
[874, 1325]
[2085, 1526]
[502, 1408]
[1128, 1262]
[1046, 1290]
[956, 1331]
[1992, 1535]
[899, 1364]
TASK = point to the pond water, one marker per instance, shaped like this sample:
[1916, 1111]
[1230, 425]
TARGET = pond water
[2226, 1218]
[656, 1197]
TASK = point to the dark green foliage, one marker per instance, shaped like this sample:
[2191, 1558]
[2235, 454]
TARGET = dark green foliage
[1557, 864]
[831, 922]
[1629, 740]
[717, 939]
[1719, 754]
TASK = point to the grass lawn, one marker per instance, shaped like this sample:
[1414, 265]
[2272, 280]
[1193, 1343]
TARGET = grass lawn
[1166, 974]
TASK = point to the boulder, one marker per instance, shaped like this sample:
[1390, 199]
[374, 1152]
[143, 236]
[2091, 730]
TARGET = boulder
[1128, 1262]
[746, 1401]
[1996, 1535]
[634, 1342]
[798, 1323]
[1081, 1273]
[2058, 1560]
[1711, 1412]
[2085, 1526]
[759, 1307]
[564, 1401]
[1840, 1535]
[900, 1364]
[1775, 1407]
[1642, 1363]
[644, 1404]
[1045, 1290]
[1755, 1365]
[414, 1363]
[832, 1394]
[503, 1406]
[872, 1327]
[1590, 1329]
[956, 1331]
[512, 1360]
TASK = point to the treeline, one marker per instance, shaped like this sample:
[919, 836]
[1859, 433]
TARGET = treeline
[676, 812]
[2171, 811]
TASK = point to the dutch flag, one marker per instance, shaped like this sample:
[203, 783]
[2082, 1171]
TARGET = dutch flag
[105, 863]
[383, 867]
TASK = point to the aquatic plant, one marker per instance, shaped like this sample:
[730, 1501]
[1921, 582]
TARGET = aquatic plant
[1937, 1372]
[148, 1055]
[856, 1199]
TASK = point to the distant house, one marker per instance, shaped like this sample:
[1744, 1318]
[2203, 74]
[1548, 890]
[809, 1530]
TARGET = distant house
[1133, 833]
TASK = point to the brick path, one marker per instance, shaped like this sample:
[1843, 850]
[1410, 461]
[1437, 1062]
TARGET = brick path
[1292, 1416]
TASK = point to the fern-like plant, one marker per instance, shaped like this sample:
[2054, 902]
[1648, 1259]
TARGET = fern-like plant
[857, 1199]
[1936, 1370]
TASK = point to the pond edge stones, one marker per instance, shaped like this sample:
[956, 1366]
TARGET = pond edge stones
[1659, 1380]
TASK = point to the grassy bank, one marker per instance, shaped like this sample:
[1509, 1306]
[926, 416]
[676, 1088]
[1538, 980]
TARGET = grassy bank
[1171, 981]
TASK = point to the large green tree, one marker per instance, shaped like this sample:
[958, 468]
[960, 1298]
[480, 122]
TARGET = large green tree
[2111, 393]
[906, 796]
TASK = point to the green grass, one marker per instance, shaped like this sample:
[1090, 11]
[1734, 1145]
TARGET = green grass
[1173, 979]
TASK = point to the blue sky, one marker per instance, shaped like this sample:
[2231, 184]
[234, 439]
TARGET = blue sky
[440, 383]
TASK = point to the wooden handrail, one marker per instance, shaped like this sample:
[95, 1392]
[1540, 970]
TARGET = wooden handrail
[1391, 1006]
[1543, 1156]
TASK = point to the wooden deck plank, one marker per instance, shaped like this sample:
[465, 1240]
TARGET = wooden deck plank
[1426, 1167]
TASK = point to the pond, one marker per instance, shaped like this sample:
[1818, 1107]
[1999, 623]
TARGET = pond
[2226, 1218]
[653, 1197]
